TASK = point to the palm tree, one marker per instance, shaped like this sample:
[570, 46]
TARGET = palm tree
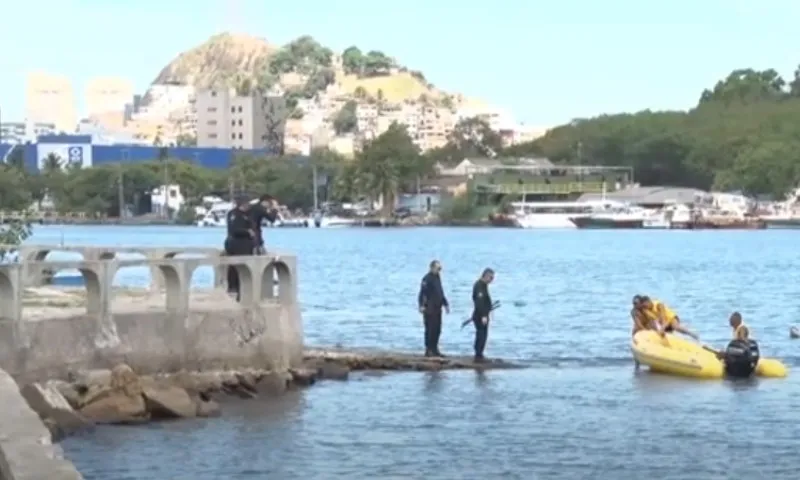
[386, 163]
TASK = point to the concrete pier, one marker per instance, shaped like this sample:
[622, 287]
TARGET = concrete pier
[168, 328]
[33, 256]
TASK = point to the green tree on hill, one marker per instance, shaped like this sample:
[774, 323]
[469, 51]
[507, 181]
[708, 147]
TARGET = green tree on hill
[345, 120]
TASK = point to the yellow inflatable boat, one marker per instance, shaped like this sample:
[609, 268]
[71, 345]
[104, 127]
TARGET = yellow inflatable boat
[674, 355]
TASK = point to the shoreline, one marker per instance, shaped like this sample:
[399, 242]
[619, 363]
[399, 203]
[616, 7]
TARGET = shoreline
[120, 396]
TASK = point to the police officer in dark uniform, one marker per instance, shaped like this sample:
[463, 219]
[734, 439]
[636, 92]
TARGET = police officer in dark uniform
[482, 302]
[431, 300]
[265, 209]
[240, 240]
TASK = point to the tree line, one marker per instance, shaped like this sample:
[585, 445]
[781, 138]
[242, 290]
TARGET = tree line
[744, 134]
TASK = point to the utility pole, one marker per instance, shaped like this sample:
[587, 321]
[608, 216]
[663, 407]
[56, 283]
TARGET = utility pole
[121, 192]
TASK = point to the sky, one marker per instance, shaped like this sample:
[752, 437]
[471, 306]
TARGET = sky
[547, 62]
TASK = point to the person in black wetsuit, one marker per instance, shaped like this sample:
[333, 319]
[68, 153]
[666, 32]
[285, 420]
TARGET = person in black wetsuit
[431, 300]
[265, 209]
[241, 240]
[482, 302]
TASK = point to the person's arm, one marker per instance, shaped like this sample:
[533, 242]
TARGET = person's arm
[637, 320]
[680, 328]
[422, 297]
[445, 303]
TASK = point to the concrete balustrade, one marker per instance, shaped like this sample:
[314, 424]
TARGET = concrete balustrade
[33, 255]
[168, 329]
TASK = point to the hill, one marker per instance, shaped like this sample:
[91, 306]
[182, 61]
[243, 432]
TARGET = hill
[303, 66]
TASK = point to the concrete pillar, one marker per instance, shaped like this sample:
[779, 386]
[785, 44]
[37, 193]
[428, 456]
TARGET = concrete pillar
[11, 291]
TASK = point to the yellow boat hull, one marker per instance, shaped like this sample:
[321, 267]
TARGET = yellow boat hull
[674, 355]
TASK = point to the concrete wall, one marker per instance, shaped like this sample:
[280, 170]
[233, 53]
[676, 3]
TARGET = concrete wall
[26, 449]
[163, 330]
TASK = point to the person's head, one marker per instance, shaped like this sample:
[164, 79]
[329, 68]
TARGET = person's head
[243, 203]
[637, 301]
[487, 275]
[266, 200]
[736, 319]
[435, 266]
[645, 303]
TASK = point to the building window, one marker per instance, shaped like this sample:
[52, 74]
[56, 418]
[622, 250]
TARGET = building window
[233, 123]
[233, 109]
[212, 109]
[240, 109]
[213, 93]
[211, 122]
[240, 122]
[212, 135]
[233, 136]
[240, 136]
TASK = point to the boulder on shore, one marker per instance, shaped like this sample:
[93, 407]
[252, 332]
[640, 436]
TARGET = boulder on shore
[55, 411]
[167, 401]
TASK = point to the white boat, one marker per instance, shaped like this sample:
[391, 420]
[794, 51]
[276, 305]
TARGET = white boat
[671, 216]
[218, 213]
[319, 220]
[557, 214]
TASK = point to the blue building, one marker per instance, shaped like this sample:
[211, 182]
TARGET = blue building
[79, 150]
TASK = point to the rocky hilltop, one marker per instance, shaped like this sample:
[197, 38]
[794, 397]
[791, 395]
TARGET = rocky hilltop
[302, 68]
[217, 61]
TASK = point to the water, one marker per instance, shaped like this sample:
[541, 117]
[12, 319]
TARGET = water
[579, 412]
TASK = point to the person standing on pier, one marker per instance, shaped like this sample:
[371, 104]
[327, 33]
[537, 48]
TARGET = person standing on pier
[431, 301]
[481, 312]
[265, 209]
[241, 240]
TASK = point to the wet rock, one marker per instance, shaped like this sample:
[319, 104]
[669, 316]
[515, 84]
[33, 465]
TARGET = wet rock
[208, 408]
[247, 380]
[197, 381]
[85, 379]
[332, 371]
[68, 391]
[47, 401]
[167, 401]
[274, 383]
[124, 379]
[116, 408]
[121, 402]
[304, 377]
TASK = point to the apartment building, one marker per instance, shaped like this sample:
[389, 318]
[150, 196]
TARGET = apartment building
[225, 119]
[106, 95]
[23, 132]
[50, 99]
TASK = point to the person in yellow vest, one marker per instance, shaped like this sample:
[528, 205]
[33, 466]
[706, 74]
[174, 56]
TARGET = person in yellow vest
[740, 330]
[663, 318]
[640, 320]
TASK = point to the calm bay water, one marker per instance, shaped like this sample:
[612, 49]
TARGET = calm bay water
[578, 412]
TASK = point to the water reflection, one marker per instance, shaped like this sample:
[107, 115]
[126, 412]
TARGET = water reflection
[434, 382]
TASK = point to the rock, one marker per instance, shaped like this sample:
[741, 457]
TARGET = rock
[50, 404]
[124, 378]
[332, 371]
[208, 408]
[197, 381]
[274, 383]
[247, 380]
[68, 391]
[304, 377]
[87, 378]
[166, 401]
[116, 407]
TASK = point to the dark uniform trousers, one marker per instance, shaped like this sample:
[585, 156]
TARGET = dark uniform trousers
[432, 319]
